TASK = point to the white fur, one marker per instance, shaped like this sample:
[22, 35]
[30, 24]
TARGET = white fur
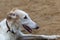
[3, 31]
[4, 35]
[27, 21]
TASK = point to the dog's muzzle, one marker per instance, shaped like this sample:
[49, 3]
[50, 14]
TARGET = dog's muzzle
[27, 28]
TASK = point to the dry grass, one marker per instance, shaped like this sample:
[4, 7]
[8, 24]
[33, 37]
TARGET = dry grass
[46, 13]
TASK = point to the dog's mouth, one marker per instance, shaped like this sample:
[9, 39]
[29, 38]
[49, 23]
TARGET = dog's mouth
[27, 28]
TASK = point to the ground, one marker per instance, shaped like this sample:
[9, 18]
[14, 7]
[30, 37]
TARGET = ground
[46, 13]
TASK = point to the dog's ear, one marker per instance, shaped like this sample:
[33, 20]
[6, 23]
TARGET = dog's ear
[11, 16]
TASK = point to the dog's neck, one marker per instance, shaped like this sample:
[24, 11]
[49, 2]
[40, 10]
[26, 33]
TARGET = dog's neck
[14, 25]
[8, 26]
[9, 23]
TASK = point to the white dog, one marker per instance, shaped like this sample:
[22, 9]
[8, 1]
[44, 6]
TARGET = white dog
[10, 26]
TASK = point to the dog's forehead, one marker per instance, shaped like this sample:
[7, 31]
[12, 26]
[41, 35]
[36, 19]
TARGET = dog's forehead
[21, 13]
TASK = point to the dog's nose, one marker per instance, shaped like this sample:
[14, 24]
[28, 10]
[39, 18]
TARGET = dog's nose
[37, 27]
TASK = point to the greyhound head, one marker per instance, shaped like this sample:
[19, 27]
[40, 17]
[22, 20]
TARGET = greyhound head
[26, 21]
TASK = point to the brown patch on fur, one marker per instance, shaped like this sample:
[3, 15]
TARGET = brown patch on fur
[11, 12]
[10, 18]
[14, 21]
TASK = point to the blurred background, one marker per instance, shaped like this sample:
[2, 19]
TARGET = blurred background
[46, 13]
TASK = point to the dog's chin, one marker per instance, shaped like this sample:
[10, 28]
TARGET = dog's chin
[27, 28]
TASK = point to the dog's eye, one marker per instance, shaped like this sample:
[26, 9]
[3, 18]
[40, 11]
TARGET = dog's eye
[25, 17]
